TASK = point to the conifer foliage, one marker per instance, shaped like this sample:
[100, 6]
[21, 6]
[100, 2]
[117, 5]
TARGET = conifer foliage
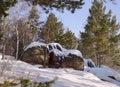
[33, 19]
[100, 38]
[67, 40]
[51, 28]
[4, 5]
[70, 5]
[53, 31]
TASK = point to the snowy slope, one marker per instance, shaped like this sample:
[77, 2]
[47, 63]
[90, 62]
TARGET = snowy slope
[7, 57]
[105, 73]
[66, 77]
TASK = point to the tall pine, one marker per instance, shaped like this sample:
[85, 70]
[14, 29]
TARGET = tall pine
[51, 29]
[114, 39]
[34, 22]
[101, 27]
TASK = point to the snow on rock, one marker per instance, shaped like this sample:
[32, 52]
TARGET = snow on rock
[35, 44]
[55, 46]
[65, 58]
[56, 52]
[66, 77]
[74, 52]
[88, 63]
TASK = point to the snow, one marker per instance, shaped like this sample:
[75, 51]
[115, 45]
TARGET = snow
[66, 77]
[90, 77]
[54, 48]
[7, 57]
[64, 51]
[35, 44]
[105, 73]
[86, 61]
[57, 52]
[76, 52]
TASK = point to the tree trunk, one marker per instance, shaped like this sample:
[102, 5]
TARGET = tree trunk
[17, 47]
[3, 51]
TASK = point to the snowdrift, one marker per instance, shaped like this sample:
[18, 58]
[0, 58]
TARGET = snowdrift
[66, 77]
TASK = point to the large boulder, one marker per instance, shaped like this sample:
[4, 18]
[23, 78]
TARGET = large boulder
[55, 51]
[61, 57]
[53, 56]
[66, 59]
[36, 53]
[73, 61]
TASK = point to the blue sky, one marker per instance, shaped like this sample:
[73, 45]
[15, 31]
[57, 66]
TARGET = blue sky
[77, 21]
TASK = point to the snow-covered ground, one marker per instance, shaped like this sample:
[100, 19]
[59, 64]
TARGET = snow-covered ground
[66, 77]
[106, 73]
[7, 57]
[90, 77]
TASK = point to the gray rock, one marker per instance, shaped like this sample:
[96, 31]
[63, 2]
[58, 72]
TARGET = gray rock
[36, 55]
[73, 61]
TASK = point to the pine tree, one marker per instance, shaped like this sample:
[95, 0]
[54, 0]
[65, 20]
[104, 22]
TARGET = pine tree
[51, 29]
[33, 19]
[4, 5]
[69, 5]
[96, 38]
[45, 4]
[68, 39]
[60, 36]
[114, 38]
